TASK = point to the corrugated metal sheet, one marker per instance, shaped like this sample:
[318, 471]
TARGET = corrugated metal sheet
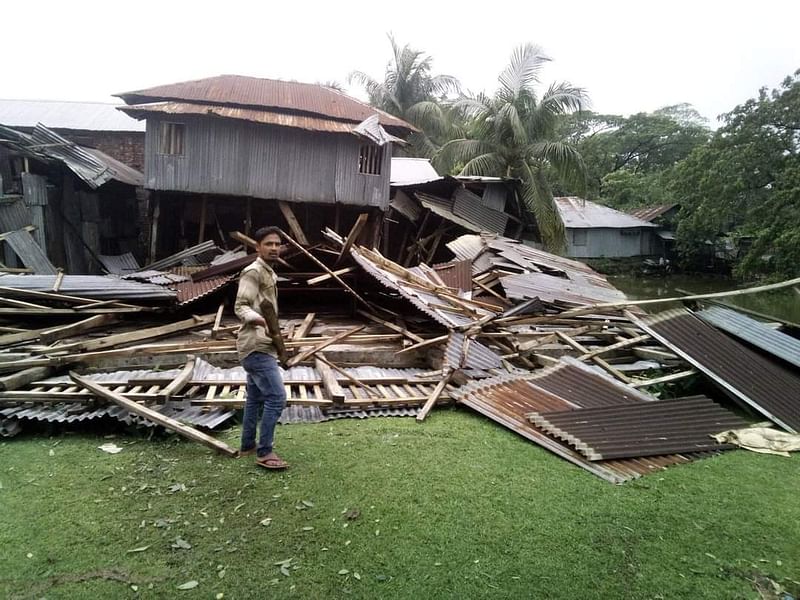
[189, 291]
[770, 389]
[92, 166]
[649, 213]
[753, 332]
[266, 93]
[29, 252]
[579, 213]
[34, 193]
[87, 286]
[444, 208]
[471, 356]
[494, 196]
[119, 264]
[509, 399]
[412, 171]
[469, 206]
[467, 247]
[265, 117]
[456, 274]
[57, 114]
[178, 257]
[238, 158]
[641, 429]
[14, 215]
[405, 206]
[548, 288]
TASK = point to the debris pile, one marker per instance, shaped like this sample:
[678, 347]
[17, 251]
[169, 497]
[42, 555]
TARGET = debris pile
[539, 343]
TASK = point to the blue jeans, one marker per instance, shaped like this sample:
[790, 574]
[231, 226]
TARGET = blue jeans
[265, 400]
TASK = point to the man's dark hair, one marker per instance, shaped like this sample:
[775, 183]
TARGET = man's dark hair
[265, 231]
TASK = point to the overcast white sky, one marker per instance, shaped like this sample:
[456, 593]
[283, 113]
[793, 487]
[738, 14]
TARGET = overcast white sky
[630, 56]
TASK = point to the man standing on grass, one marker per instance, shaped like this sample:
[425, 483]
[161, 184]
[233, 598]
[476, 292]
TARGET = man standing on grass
[260, 346]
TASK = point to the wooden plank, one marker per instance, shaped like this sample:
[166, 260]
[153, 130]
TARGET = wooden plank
[217, 321]
[326, 276]
[617, 346]
[48, 336]
[23, 304]
[664, 379]
[59, 280]
[320, 356]
[156, 417]
[305, 327]
[425, 344]
[437, 391]
[294, 224]
[413, 337]
[311, 351]
[597, 360]
[24, 377]
[177, 384]
[352, 236]
[332, 387]
[138, 335]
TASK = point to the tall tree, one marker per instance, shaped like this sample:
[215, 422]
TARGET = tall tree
[745, 183]
[514, 134]
[411, 92]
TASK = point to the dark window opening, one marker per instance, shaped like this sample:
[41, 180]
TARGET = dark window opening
[170, 138]
[579, 237]
[370, 159]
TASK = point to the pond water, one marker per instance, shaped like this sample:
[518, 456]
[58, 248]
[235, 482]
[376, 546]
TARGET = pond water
[784, 304]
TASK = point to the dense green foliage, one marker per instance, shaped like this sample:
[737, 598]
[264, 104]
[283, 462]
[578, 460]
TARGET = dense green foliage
[746, 183]
[455, 507]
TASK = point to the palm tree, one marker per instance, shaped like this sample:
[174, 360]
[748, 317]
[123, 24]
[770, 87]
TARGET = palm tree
[410, 92]
[513, 134]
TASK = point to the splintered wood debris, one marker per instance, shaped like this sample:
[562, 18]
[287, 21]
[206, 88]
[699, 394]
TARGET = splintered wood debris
[491, 329]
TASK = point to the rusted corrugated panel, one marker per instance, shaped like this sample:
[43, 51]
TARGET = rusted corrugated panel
[456, 274]
[641, 429]
[266, 117]
[509, 399]
[648, 213]
[757, 382]
[753, 332]
[266, 93]
[191, 291]
[579, 213]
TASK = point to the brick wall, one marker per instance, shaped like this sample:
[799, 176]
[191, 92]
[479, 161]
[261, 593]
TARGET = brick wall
[126, 147]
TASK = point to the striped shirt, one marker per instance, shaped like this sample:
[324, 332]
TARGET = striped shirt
[257, 284]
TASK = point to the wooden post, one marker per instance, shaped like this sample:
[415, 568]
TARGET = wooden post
[177, 385]
[248, 217]
[437, 392]
[332, 386]
[154, 416]
[154, 228]
[203, 216]
[294, 224]
[217, 321]
[352, 236]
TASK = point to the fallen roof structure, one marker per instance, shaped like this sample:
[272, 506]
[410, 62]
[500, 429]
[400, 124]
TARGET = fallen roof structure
[770, 389]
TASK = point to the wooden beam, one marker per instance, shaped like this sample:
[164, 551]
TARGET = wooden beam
[412, 336]
[137, 335]
[48, 336]
[217, 321]
[305, 327]
[617, 346]
[24, 377]
[597, 360]
[326, 276]
[335, 391]
[154, 228]
[664, 379]
[352, 236]
[201, 231]
[320, 356]
[437, 391]
[154, 416]
[425, 344]
[326, 269]
[311, 351]
[177, 384]
[59, 279]
[294, 225]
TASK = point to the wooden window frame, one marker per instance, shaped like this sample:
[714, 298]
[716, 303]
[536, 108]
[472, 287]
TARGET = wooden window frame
[171, 138]
[370, 159]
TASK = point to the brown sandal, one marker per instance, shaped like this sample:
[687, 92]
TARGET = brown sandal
[273, 463]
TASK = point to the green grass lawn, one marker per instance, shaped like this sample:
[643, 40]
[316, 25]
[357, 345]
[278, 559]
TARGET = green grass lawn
[455, 507]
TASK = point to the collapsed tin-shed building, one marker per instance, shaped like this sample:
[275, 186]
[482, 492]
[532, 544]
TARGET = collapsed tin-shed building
[222, 152]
